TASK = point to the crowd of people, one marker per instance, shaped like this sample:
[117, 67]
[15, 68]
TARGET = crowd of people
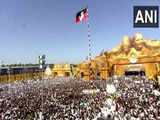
[136, 97]
[58, 99]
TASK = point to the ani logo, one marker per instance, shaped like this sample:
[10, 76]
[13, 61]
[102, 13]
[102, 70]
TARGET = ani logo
[133, 60]
[146, 16]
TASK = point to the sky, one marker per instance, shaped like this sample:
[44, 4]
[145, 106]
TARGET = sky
[29, 28]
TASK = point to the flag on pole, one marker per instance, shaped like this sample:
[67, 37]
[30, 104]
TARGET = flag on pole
[81, 15]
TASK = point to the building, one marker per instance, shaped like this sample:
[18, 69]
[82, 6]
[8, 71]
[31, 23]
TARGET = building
[98, 68]
[134, 56]
[62, 70]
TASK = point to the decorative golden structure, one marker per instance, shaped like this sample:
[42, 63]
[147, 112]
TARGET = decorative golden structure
[62, 70]
[99, 68]
[132, 55]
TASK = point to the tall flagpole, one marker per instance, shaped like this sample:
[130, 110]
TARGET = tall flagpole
[89, 46]
[81, 15]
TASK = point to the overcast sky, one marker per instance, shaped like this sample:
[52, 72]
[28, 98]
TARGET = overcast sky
[29, 28]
